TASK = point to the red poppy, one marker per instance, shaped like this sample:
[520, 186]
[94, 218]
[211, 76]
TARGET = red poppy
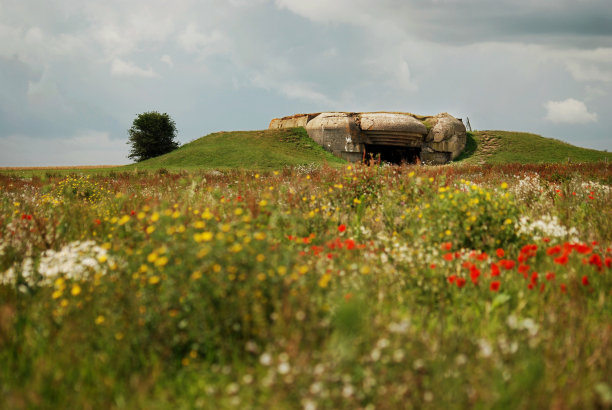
[529, 249]
[546, 240]
[542, 287]
[451, 278]
[133, 213]
[507, 264]
[585, 280]
[316, 250]
[98, 222]
[474, 274]
[460, 282]
[595, 260]
[553, 250]
[495, 286]
[608, 262]
[348, 297]
[563, 287]
[500, 253]
[530, 286]
[494, 269]
[483, 256]
[342, 228]
[583, 248]
[524, 268]
[432, 266]
[448, 256]
[534, 277]
[350, 244]
[561, 260]
[550, 275]
[447, 246]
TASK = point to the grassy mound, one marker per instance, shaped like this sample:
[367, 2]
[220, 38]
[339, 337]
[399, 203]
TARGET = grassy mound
[265, 149]
[502, 147]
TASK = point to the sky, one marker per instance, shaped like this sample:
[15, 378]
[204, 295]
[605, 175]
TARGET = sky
[75, 73]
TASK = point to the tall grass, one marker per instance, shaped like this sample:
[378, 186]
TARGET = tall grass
[358, 287]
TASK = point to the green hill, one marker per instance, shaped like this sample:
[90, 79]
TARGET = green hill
[501, 147]
[261, 150]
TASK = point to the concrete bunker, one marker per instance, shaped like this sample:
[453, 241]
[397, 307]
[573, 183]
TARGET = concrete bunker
[394, 137]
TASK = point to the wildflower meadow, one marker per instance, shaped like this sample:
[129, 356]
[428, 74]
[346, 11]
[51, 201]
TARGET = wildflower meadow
[359, 287]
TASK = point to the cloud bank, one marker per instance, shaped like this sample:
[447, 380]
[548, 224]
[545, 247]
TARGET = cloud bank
[69, 65]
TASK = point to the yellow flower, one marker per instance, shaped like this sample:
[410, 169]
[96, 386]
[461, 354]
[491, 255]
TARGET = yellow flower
[60, 283]
[260, 258]
[124, 219]
[152, 257]
[161, 261]
[364, 270]
[508, 221]
[196, 275]
[261, 277]
[102, 258]
[154, 280]
[199, 225]
[324, 280]
[263, 202]
[303, 269]
[155, 217]
[504, 185]
[99, 320]
[57, 294]
[260, 236]
[282, 270]
[150, 229]
[76, 289]
[176, 214]
[202, 253]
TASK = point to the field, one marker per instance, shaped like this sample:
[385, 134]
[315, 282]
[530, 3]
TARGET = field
[314, 287]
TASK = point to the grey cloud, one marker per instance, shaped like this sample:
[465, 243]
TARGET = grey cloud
[70, 65]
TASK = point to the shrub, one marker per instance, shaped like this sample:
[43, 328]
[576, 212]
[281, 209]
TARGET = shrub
[152, 134]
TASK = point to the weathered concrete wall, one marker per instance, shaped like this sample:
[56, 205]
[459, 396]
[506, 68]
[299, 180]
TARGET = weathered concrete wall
[337, 132]
[439, 138]
[447, 134]
[382, 128]
[298, 120]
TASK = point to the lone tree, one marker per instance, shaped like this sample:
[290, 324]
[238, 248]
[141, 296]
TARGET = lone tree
[152, 134]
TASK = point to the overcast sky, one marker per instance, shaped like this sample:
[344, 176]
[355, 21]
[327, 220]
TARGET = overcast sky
[75, 73]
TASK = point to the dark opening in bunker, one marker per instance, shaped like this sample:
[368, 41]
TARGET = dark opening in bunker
[392, 153]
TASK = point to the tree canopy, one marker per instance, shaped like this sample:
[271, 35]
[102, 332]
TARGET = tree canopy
[152, 134]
